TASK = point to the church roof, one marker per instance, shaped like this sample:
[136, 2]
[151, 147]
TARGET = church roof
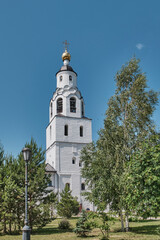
[66, 68]
[49, 168]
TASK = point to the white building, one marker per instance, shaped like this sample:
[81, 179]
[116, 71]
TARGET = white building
[67, 132]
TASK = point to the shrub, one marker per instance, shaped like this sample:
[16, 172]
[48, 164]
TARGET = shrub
[64, 224]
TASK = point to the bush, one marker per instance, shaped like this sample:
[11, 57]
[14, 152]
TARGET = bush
[64, 224]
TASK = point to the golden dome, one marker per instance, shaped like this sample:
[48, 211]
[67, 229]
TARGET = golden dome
[66, 56]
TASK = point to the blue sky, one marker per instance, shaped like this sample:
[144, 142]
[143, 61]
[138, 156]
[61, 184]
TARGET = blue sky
[102, 34]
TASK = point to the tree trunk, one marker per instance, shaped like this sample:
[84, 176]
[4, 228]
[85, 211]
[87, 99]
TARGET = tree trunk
[127, 222]
[4, 224]
[18, 221]
[10, 226]
[122, 222]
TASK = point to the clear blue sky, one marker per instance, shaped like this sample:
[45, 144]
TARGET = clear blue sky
[103, 35]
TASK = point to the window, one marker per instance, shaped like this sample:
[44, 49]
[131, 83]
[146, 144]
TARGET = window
[60, 78]
[80, 164]
[70, 78]
[72, 104]
[50, 132]
[51, 109]
[81, 131]
[50, 184]
[59, 105]
[73, 161]
[82, 108]
[66, 130]
[82, 186]
[67, 186]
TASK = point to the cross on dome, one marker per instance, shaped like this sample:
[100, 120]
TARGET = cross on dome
[66, 55]
[66, 44]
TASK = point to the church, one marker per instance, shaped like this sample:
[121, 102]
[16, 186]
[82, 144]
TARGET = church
[68, 131]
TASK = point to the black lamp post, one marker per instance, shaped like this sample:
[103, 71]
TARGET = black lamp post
[26, 229]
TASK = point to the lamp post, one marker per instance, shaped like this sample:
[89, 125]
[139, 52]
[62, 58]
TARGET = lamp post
[26, 229]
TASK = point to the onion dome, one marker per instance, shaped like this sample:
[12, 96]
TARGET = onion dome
[66, 56]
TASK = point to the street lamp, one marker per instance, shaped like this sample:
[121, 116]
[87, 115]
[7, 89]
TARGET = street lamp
[26, 229]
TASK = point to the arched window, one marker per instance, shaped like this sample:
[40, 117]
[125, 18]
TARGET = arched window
[51, 109]
[74, 160]
[81, 131]
[80, 164]
[67, 185]
[60, 78]
[59, 105]
[70, 78]
[82, 186]
[66, 130]
[82, 108]
[72, 104]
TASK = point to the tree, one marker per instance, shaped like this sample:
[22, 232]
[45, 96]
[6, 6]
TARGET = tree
[128, 121]
[2, 186]
[143, 178]
[12, 190]
[38, 181]
[83, 225]
[50, 203]
[103, 221]
[10, 197]
[68, 204]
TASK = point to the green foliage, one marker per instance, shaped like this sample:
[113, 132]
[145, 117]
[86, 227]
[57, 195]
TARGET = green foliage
[38, 182]
[64, 224]
[143, 178]
[50, 203]
[127, 123]
[103, 221]
[12, 190]
[68, 204]
[83, 225]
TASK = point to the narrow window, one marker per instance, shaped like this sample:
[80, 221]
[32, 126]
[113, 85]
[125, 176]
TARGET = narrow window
[72, 104]
[82, 186]
[81, 131]
[73, 161]
[80, 164]
[51, 109]
[67, 186]
[59, 105]
[50, 132]
[50, 184]
[66, 130]
[82, 108]
[70, 78]
[60, 78]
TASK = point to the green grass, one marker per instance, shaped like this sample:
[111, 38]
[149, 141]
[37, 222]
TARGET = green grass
[142, 230]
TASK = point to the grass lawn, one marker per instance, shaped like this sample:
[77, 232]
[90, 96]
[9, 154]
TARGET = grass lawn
[143, 230]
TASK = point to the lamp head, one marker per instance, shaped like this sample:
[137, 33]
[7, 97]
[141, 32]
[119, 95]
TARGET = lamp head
[26, 154]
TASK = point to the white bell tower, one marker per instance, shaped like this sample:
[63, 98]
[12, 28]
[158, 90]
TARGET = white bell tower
[67, 132]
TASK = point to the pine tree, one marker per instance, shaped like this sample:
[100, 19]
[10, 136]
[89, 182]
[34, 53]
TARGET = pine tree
[68, 204]
[12, 190]
[83, 226]
[10, 196]
[38, 181]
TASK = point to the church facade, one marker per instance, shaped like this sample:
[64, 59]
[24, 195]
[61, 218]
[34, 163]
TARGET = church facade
[67, 133]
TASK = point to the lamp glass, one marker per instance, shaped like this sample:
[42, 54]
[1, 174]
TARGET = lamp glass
[26, 154]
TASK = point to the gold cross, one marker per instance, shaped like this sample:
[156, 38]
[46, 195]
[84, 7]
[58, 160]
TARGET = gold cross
[66, 44]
